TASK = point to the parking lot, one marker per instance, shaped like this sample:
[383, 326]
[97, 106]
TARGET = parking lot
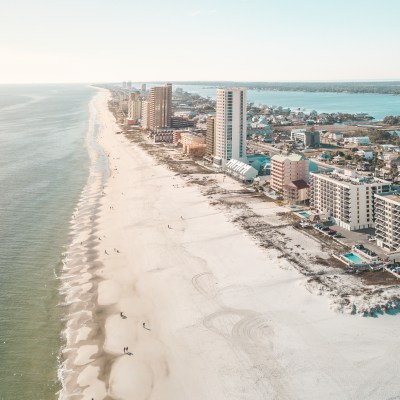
[350, 238]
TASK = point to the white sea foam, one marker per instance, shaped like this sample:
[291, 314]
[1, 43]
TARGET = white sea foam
[76, 281]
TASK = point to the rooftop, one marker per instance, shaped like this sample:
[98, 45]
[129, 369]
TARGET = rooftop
[393, 195]
[350, 176]
[239, 166]
[301, 184]
[291, 157]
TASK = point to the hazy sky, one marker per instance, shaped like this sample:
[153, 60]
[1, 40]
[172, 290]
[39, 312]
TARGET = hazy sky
[250, 40]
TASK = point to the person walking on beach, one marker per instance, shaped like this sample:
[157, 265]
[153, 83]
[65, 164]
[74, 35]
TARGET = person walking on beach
[144, 326]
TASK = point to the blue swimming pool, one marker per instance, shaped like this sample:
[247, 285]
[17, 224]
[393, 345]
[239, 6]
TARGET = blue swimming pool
[304, 214]
[353, 258]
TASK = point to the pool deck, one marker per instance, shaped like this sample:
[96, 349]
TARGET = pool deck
[350, 238]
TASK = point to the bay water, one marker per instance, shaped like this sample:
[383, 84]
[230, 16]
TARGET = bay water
[376, 105]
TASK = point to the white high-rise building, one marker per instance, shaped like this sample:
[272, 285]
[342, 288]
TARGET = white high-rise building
[387, 220]
[230, 125]
[347, 197]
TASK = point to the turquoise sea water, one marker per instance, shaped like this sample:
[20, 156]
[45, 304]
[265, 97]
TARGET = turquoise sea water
[43, 168]
[377, 105]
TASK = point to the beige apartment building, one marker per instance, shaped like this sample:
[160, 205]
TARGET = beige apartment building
[134, 107]
[210, 137]
[193, 143]
[289, 176]
[145, 119]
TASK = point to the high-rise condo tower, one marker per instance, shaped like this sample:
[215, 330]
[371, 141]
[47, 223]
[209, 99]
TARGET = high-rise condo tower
[230, 126]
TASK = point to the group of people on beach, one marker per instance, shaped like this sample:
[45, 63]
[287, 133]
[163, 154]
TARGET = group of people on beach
[169, 227]
[105, 251]
[123, 316]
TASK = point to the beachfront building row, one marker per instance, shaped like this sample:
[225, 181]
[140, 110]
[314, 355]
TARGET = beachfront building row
[348, 197]
[387, 220]
[230, 126]
[289, 176]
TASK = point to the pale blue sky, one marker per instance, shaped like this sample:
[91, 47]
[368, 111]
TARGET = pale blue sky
[249, 40]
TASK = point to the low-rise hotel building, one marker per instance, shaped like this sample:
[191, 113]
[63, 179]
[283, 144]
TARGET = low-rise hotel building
[181, 123]
[347, 197]
[296, 192]
[240, 170]
[193, 143]
[308, 138]
[358, 140]
[387, 221]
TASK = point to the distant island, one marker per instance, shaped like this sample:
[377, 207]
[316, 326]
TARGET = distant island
[387, 87]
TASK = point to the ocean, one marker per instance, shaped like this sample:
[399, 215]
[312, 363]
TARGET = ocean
[376, 105]
[44, 166]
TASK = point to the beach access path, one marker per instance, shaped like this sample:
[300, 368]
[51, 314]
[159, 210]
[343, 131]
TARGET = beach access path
[226, 319]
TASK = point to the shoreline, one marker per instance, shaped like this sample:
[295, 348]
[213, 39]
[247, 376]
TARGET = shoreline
[78, 275]
[220, 309]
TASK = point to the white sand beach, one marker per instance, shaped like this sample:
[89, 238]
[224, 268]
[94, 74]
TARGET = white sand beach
[225, 318]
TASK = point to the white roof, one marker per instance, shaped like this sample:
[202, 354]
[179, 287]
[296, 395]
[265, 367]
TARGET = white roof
[301, 130]
[240, 168]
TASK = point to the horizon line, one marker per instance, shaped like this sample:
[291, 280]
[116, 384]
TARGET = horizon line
[204, 81]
